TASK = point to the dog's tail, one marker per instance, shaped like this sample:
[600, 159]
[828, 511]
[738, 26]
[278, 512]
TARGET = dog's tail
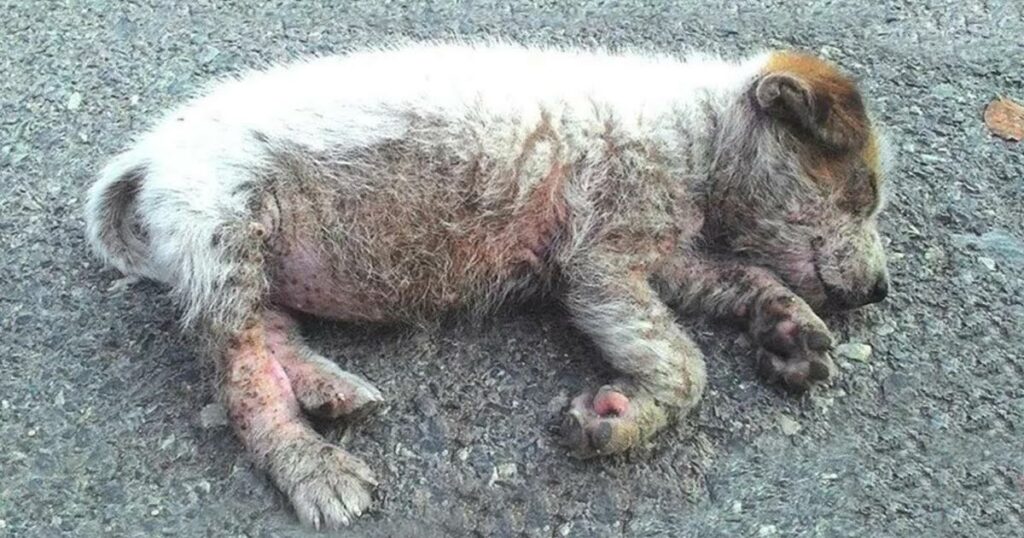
[114, 225]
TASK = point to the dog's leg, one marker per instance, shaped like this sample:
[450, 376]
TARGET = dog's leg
[321, 387]
[326, 485]
[663, 369]
[793, 341]
[253, 348]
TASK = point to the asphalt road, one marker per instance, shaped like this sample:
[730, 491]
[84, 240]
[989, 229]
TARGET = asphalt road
[102, 428]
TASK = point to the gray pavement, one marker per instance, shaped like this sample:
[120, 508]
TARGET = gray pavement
[101, 429]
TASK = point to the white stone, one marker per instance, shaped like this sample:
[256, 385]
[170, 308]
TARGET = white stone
[213, 416]
[854, 351]
[788, 425]
[507, 470]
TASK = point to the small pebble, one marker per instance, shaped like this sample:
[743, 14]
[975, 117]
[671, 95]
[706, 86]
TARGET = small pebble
[502, 473]
[406, 452]
[788, 425]
[854, 351]
[74, 101]
[213, 416]
[737, 507]
[988, 263]
[507, 470]
[822, 402]
[828, 52]
[767, 530]
[935, 256]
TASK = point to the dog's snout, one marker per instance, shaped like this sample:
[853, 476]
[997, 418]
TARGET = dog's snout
[880, 290]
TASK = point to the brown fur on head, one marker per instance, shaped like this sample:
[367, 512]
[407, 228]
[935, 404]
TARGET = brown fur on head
[798, 183]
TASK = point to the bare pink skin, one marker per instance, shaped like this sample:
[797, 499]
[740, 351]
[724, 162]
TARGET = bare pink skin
[604, 422]
[266, 385]
[611, 404]
[320, 386]
[304, 282]
[259, 396]
[609, 421]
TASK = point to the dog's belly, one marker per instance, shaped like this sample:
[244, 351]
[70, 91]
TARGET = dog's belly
[318, 282]
[414, 264]
[301, 279]
[407, 229]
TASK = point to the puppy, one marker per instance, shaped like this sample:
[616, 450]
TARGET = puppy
[393, 185]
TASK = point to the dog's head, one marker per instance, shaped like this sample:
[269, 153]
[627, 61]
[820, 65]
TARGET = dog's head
[798, 184]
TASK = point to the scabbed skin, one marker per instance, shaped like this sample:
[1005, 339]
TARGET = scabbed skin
[394, 185]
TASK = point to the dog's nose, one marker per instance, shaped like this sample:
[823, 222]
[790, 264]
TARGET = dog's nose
[880, 291]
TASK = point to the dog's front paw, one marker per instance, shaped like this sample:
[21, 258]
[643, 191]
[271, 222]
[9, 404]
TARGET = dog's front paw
[600, 423]
[794, 345]
[613, 420]
[797, 372]
[327, 486]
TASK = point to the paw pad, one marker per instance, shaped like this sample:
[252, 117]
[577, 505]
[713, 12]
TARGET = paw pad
[600, 423]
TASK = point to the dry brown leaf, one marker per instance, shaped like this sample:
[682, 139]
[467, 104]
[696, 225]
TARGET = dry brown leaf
[1005, 118]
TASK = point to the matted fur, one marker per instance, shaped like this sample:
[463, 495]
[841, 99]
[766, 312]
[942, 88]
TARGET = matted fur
[392, 185]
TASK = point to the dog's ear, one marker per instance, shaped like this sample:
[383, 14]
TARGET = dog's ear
[786, 96]
[815, 98]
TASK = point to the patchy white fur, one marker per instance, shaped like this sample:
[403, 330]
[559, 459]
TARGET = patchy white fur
[199, 154]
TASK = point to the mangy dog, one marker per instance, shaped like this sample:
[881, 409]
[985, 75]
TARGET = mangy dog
[393, 185]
